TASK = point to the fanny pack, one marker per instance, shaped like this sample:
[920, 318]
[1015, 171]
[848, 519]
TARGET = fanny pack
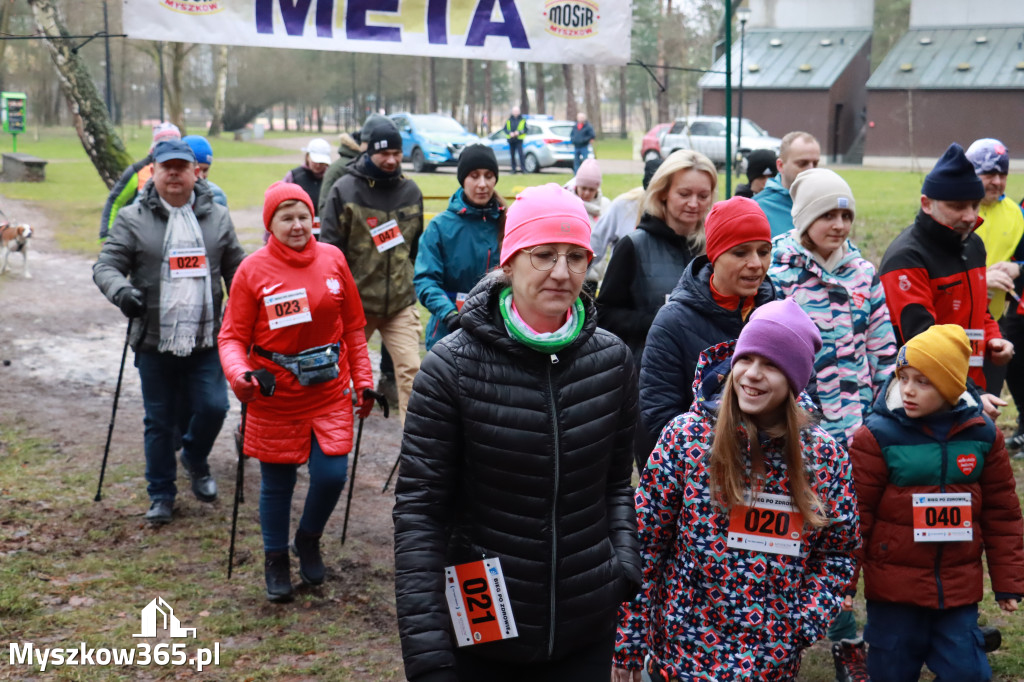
[311, 366]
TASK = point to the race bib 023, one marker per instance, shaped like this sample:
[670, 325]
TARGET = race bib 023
[770, 524]
[478, 602]
[288, 308]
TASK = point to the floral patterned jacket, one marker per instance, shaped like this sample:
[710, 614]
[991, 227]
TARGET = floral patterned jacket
[708, 611]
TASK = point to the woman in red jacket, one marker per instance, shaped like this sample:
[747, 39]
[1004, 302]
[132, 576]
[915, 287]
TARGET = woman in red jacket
[294, 310]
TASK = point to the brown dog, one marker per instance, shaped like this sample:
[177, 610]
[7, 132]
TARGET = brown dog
[14, 238]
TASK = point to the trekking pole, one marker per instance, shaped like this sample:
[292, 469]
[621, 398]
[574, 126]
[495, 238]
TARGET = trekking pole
[267, 385]
[113, 414]
[382, 401]
[391, 475]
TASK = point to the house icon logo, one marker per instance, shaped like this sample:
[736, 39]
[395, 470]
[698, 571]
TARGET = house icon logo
[159, 612]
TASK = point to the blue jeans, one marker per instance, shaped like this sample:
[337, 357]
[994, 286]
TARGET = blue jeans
[901, 637]
[578, 155]
[168, 383]
[327, 475]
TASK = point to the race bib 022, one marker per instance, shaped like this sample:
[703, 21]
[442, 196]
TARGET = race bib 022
[188, 263]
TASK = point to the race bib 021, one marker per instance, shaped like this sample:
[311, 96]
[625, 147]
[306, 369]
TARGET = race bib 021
[770, 524]
[478, 602]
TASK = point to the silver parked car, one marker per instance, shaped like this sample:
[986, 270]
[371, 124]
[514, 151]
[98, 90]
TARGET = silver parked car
[706, 134]
[546, 144]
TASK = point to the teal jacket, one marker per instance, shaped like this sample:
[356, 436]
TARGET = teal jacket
[458, 248]
[776, 203]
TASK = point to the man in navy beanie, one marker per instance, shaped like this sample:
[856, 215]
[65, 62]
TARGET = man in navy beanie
[934, 271]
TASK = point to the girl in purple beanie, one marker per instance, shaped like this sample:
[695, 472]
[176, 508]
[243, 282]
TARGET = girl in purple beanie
[747, 518]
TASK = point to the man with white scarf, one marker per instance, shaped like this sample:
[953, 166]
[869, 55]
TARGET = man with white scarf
[162, 266]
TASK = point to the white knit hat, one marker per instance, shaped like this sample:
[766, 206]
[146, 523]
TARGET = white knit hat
[815, 192]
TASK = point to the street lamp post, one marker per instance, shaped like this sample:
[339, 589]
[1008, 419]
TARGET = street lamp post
[743, 14]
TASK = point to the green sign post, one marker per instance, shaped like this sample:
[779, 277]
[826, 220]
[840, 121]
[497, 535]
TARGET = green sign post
[12, 111]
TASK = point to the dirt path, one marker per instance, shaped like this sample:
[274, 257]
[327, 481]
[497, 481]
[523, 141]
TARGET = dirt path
[60, 348]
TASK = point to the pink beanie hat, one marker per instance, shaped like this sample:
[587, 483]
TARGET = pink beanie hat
[280, 192]
[546, 214]
[589, 174]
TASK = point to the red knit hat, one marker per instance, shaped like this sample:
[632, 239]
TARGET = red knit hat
[279, 192]
[733, 222]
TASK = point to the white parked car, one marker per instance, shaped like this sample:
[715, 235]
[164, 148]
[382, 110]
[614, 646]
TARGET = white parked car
[706, 134]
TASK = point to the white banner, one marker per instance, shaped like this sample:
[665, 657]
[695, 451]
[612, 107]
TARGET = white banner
[557, 31]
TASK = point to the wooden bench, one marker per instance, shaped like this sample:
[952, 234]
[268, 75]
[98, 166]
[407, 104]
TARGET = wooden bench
[23, 168]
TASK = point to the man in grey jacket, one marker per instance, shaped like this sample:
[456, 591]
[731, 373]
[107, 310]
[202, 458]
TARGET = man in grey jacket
[162, 266]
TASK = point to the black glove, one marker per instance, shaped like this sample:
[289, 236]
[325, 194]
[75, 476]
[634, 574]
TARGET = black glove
[131, 301]
[453, 322]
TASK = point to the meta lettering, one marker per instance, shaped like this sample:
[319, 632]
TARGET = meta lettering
[294, 14]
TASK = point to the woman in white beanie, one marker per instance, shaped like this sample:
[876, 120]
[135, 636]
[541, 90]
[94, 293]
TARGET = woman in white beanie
[817, 266]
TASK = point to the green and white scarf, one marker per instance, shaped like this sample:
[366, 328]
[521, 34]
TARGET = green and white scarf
[546, 342]
[186, 303]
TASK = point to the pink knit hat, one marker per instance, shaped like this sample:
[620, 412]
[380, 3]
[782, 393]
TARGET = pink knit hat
[280, 192]
[589, 174]
[546, 214]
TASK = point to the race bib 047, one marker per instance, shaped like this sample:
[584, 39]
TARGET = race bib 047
[386, 236]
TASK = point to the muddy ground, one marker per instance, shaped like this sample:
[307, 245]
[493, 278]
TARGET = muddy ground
[60, 347]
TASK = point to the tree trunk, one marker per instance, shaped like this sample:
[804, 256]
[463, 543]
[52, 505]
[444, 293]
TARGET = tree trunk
[284, 104]
[471, 90]
[488, 102]
[174, 87]
[622, 102]
[524, 96]
[459, 102]
[433, 85]
[663, 74]
[538, 75]
[220, 92]
[89, 113]
[5, 27]
[592, 97]
[570, 92]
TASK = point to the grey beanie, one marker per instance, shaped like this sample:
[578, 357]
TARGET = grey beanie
[815, 192]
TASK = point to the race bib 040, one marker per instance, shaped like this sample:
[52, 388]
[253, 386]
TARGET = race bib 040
[942, 517]
[478, 602]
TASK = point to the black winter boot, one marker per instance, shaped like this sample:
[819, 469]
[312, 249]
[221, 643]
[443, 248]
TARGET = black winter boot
[311, 564]
[276, 571]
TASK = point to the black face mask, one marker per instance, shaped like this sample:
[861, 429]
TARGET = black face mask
[374, 171]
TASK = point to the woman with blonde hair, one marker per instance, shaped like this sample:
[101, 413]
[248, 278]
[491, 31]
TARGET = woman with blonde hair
[747, 517]
[646, 264]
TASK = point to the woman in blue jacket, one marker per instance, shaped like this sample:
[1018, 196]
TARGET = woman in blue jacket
[460, 245]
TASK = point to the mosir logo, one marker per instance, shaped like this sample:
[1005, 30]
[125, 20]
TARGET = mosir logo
[571, 18]
[193, 6]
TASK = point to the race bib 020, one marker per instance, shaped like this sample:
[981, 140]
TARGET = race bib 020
[288, 308]
[478, 602]
[188, 262]
[387, 236]
[942, 517]
[770, 524]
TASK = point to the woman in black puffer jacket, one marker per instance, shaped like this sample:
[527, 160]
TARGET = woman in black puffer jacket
[518, 447]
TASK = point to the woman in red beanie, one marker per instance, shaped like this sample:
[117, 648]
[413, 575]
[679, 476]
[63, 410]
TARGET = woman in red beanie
[516, 462]
[712, 302]
[294, 311]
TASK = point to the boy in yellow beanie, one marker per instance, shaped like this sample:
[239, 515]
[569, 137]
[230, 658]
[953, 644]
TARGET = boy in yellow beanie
[934, 488]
